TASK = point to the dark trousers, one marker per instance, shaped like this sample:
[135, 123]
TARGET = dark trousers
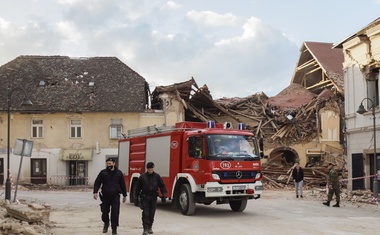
[149, 205]
[111, 202]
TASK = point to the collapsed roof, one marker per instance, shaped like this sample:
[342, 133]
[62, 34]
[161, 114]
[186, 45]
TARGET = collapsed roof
[319, 67]
[285, 119]
[288, 118]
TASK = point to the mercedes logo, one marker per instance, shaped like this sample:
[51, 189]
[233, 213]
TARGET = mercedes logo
[239, 174]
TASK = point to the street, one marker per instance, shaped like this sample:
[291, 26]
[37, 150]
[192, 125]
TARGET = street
[277, 212]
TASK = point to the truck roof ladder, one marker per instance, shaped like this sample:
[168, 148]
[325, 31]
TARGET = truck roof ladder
[149, 130]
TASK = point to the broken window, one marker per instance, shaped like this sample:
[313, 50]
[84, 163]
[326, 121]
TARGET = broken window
[373, 88]
[314, 161]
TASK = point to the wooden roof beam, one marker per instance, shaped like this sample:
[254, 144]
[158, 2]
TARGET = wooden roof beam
[320, 85]
[312, 71]
[309, 63]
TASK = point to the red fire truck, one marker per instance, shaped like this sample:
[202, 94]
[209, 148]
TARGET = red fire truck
[199, 163]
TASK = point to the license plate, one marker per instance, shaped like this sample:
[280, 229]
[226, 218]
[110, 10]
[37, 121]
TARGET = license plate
[238, 187]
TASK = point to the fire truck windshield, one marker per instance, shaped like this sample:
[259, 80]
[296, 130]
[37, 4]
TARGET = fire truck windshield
[232, 147]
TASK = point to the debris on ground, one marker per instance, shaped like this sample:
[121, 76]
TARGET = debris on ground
[30, 217]
[356, 197]
[25, 219]
[278, 174]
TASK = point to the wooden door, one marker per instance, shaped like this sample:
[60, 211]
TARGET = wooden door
[38, 171]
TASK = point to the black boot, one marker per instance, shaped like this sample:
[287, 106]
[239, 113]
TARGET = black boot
[114, 231]
[150, 230]
[327, 203]
[336, 205]
[105, 228]
[145, 232]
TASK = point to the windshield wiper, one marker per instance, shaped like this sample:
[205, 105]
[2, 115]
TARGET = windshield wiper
[243, 154]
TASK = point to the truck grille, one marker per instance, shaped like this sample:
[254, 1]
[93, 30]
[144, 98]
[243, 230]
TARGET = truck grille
[226, 175]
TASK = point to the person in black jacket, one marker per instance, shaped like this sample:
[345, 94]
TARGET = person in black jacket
[297, 175]
[111, 181]
[147, 192]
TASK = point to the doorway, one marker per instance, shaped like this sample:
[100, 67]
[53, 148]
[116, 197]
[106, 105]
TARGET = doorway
[77, 172]
[1, 171]
[38, 171]
[374, 170]
[357, 171]
[284, 155]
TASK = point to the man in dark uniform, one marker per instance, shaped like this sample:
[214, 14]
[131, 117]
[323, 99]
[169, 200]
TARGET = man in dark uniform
[333, 184]
[111, 181]
[147, 190]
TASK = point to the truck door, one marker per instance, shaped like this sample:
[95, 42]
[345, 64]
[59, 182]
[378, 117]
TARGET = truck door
[195, 163]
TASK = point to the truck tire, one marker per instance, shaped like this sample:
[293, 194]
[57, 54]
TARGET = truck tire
[238, 205]
[132, 198]
[186, 200]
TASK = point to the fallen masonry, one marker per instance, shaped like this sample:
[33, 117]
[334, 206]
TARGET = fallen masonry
[357, 197]
[25, 219]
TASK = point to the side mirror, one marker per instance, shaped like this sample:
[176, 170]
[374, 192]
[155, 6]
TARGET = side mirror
[191, 140]
[261, 144]
[261, 154]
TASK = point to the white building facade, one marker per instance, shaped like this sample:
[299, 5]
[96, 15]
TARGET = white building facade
[361, 78]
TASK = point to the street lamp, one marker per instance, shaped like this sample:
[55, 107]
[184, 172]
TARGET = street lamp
[362, 110]
[25, 102]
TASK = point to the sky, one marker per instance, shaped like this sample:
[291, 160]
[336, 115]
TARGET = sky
[236, 47]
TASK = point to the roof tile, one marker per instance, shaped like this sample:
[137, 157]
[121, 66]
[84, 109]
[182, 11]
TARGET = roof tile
[116, 87]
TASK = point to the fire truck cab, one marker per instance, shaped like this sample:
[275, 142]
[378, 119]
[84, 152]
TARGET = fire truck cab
[199, 163]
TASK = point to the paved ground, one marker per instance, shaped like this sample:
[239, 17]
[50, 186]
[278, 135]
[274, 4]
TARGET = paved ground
[277, 212]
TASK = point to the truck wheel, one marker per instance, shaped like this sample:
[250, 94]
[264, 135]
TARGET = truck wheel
[132, 198]
[186, 200]
[238, 205]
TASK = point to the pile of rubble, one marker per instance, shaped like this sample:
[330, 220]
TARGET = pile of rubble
[25, 219]
[278, 174]
[357, 197]
[279, 177]
[288, 118]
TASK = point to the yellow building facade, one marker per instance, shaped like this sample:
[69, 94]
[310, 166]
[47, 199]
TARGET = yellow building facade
[68, 148]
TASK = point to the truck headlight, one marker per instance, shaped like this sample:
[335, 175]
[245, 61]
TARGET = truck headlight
[258, 175]
[215, 176]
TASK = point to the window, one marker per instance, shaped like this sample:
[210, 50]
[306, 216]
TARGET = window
[329, 125]
[314, 160]
[75, 129]
[116, 128]
[373, 89]
[37, 129]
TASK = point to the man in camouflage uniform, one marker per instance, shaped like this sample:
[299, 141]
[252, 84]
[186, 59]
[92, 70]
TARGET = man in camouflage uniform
[333, 183]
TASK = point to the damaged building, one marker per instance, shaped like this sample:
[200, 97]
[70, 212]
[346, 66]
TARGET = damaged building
[361, 74]
[302, 123]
